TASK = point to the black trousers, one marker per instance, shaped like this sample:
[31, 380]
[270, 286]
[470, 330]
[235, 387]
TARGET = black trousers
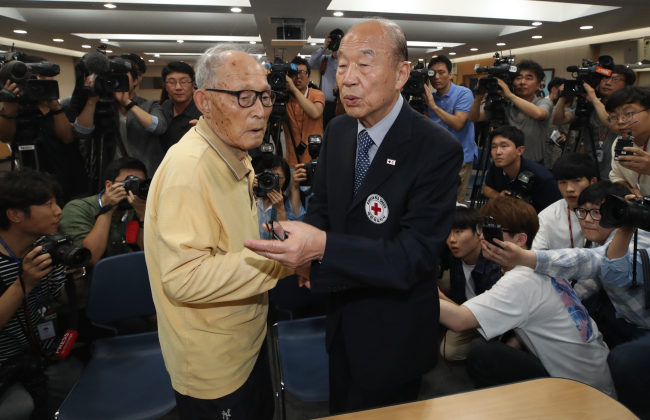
[491, 363]
[348, 395]
[252, 401]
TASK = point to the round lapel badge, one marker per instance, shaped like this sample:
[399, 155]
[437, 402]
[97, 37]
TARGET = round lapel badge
[376, 209]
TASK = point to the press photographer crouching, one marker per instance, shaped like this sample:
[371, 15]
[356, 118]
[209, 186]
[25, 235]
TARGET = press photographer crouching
[32, 117]
[28, 325]
[512, 174]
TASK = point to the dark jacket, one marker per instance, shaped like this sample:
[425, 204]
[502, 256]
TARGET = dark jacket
[485, 275]
[381, 278]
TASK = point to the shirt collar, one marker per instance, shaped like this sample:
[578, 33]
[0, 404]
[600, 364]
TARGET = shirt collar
[236, 166]
[307, 91]
[452, 86]
[378, 131]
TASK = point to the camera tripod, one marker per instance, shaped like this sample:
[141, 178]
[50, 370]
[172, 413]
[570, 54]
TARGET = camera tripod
[497, 107]
[25, 143]
[579, 125]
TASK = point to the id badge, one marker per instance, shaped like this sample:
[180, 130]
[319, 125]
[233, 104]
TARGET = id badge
[599, 155]
[46, 330]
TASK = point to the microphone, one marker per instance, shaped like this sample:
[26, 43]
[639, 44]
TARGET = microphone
[482, 70]
[96, 62]
[572, 69]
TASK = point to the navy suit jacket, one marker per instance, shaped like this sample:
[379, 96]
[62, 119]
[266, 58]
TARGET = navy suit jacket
[382, 277]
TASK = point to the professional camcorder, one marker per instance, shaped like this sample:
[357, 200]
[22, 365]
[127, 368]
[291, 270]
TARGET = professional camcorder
[109, 74]
[267, 181]
[315, 144]
[589, 73]
[139, 187]
[502, 69]
[23, 75]
[414, 87]
[278, 74]
[63, 251]
[617, 212]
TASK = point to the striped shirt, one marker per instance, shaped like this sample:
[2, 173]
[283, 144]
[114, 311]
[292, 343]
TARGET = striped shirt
[12, 337]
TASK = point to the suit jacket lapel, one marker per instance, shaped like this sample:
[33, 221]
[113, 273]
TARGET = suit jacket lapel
[391, 148]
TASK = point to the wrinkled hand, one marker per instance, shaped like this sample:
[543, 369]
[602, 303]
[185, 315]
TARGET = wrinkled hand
[428, 98]
[302, 281]
[509, 255]
[505, 90]
[139, 205]
[114, 194]
[276, 199]
[299, 175]
[122, 98]
[304, 245]
[639, 162]
[35, 267]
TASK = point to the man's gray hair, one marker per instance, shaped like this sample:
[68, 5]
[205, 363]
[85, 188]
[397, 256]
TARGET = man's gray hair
[399, 49]
[207, 65]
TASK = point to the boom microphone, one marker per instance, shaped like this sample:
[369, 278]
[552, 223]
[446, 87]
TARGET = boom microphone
[572, 69]
[96, 62]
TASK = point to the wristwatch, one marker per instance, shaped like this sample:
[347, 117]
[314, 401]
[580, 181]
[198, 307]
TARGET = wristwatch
[130, 105]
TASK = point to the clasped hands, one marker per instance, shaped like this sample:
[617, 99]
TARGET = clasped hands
[303, 245]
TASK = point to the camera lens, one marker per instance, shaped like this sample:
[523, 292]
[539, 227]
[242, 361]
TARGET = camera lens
[113, 84]
[70, 255]
[276, 80]
[266, 182]
[37, 89]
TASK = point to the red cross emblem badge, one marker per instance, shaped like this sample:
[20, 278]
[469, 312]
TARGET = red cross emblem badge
[376, 209]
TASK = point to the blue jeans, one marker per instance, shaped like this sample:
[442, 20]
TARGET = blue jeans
[630, 366]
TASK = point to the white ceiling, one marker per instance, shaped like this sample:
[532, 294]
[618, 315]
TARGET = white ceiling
[154, 26]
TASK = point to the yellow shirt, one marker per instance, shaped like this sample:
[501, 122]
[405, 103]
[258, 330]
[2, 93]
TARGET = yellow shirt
[209, 291]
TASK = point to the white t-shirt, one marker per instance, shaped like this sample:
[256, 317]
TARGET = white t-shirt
[469, 283]
[554, 232]
[551, 321]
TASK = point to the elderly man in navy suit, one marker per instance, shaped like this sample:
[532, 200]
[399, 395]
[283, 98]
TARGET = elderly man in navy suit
[383, 205]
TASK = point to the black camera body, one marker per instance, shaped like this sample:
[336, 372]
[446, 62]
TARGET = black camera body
[418, 78]
[30, 89]
[110, 74]
[502, 69]
[267, 181]
[492, 230]
[335, 42]
[524, 186]
[277, 77]
[589, 73]
[139, 187]
[617, 212]
[621, 143]
[63, 251]
[315, 144]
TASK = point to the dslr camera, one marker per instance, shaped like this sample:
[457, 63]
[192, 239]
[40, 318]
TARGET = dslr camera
[502, 69]
[589, 73]
[139, 187]
[63, 251]
[315, 144]
[616, 212]
[23, 75]
[523, 186]
[621, 143]
[267, 181]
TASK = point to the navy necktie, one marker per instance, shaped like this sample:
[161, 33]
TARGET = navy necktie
[363, 160]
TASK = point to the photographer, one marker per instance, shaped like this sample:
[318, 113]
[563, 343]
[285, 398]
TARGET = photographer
[177, 102]
[328, 65]
[449, 106]
[628, 110]
[305, 112]
[107, 234]
[274, 205]
[28, 211]
[524, 109]
[140, 122]
[598, 129]
[545, 313]
[502, 178]
[298, 197]
[58, 152]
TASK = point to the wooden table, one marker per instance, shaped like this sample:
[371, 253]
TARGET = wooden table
[549, 398]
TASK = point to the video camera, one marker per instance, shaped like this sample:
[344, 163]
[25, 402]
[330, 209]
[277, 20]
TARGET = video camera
[63, 251]
[616, 212]
[335, 39]
[277, 78]
[23, 75]
[523, 186]
[315, 144]
[590, 73]
[109, 75]
[502, 69]
[414, 87]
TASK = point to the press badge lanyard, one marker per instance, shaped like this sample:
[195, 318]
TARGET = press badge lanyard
[570, 228]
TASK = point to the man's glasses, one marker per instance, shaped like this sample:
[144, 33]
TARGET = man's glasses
[301, 73]
[247, 98]
[613, 79]
[582, 213]
[627, 117]
[276, 231]
[183, 83]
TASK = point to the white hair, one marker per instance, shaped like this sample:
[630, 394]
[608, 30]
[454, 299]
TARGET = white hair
[399, 48]
[207, 65]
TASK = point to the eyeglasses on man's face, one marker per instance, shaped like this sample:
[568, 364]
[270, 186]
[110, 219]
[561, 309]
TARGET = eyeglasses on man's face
[184, 83]
[627, 117]
[299, 73]
[582, 213]
[247, 98]
[613, 79]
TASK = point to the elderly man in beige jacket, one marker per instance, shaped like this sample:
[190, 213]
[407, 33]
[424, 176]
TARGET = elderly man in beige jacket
[210, 292]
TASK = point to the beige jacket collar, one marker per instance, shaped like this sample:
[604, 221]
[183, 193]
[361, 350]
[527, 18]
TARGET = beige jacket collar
[237, 167]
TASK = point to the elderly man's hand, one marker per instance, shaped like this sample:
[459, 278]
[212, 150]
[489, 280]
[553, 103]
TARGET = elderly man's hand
[304, 245]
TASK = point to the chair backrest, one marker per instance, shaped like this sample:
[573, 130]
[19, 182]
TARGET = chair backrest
[120, 289]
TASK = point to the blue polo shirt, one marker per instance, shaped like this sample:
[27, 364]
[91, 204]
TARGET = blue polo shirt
[458, 98]
[545, 191]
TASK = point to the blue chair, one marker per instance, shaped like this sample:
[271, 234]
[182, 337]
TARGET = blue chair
[126, 377]
[303, 362]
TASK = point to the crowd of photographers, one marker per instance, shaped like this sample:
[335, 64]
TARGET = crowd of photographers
[552, 224]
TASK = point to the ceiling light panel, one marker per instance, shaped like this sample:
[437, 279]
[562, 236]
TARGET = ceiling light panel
[495, 9]
[175, 38]
[226, 3]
